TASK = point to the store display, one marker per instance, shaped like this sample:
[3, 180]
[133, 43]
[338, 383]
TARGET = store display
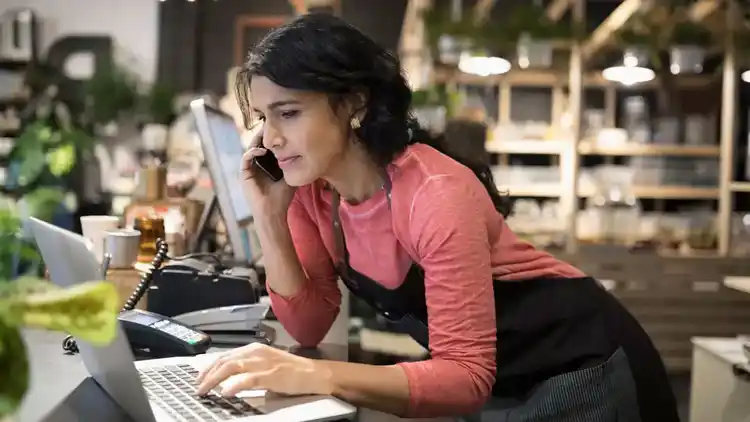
[615, 212]
[18, 35]
[636, 120]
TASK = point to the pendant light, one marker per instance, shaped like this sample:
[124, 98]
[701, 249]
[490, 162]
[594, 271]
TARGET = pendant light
[482, 63]
[632, 71]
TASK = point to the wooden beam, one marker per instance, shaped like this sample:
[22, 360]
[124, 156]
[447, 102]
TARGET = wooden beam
[482, 10]
[550, 78]
[728, 132]
[702, 9]
[614, 22]
[556, 10]
[413, 44]
[698, 12]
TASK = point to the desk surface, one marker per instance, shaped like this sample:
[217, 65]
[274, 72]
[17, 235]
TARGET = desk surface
[61, 382]
[728, 349]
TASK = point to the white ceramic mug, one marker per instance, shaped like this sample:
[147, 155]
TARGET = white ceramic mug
[122, 247]
[95, 228]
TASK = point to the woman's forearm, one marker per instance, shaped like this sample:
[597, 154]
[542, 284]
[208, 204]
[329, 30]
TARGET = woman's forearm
[381, 388]
[303, 290]
[284, 272]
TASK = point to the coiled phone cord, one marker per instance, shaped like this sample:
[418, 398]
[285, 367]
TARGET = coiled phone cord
[69, 344]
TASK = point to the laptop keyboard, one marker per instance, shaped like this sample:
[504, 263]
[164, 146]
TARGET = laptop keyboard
[173, 389]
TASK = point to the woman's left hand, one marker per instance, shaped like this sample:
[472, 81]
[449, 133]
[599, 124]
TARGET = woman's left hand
[260, 367]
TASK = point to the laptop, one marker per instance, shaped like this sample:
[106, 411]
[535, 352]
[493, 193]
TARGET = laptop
[163, 390]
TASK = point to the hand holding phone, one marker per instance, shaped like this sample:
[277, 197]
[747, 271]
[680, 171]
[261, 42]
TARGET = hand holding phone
[259, 158]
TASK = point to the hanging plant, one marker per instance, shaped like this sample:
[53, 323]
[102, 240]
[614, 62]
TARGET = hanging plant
[448, 38]
[531, 19]
[436, 96]
[689, 33]
[526, 22]
[157, 105]
[631, 37]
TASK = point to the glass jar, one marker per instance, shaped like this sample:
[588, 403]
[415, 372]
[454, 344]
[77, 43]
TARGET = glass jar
[617, 214]
[151, 228]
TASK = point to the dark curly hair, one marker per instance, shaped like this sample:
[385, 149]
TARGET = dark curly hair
[322, 53]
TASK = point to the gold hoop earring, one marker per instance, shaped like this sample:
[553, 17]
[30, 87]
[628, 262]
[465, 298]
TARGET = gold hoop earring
[355, 123]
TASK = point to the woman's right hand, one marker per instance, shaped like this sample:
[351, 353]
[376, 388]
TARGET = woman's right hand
[267, 198]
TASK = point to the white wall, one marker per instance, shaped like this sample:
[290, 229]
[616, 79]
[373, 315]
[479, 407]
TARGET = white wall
[132, 24]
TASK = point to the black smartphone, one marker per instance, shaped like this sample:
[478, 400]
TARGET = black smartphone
[270, 166]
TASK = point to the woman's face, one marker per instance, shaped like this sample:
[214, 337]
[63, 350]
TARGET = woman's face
[300, 129]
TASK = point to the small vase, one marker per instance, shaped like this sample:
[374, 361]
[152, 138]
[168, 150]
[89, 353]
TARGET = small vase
[534, 53]
[686, 59]
[450, 49]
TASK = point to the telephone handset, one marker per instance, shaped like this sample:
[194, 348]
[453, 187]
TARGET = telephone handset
[269, 165]
[157, 334]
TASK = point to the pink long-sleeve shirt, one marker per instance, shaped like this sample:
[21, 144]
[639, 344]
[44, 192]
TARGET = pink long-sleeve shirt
[442, 219]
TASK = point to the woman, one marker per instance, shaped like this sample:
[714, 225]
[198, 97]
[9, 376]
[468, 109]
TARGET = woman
[421, 238]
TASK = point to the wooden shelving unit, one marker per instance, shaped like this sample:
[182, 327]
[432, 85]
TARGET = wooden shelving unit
[676, 294]
[567, 86]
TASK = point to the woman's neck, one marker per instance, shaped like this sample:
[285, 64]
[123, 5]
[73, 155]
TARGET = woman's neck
[355, 177]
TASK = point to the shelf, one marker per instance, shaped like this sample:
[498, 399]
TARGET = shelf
[530, 147]
[668, 192]
[549, 78]
[534, 190]
[13, 65]
[651, 150]
[741, 284]
[649, 192]
[740, 186]
[551, 147]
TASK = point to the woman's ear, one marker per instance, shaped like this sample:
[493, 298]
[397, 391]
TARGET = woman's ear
[357, 106]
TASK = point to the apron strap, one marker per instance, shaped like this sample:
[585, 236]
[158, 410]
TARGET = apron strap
[338, 232]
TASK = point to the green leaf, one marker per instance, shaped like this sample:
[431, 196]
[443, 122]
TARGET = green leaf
[112, 91]
[14, 365]
[61, 160]
[79, 138]
[43, 202]
[87, 311]
[32, 165]
[24, 286]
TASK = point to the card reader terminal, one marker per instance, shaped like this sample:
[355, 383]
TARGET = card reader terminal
[162, 335]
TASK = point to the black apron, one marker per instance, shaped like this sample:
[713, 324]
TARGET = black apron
[567, 351]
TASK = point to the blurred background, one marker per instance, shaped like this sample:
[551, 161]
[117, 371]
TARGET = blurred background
[619, 129]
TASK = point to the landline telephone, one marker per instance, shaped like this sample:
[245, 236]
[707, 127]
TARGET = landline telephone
[149, 332]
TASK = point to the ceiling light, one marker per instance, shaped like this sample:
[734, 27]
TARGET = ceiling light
[632, 71]
[628, 75]
[745, 76]
[483, 65]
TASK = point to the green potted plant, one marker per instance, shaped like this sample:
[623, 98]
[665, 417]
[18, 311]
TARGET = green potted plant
[88, 311]
[41, 162]
[535, 34]
[157, 109]
[111, 95]
[526, 29]
[448, 36]
[430, 108]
